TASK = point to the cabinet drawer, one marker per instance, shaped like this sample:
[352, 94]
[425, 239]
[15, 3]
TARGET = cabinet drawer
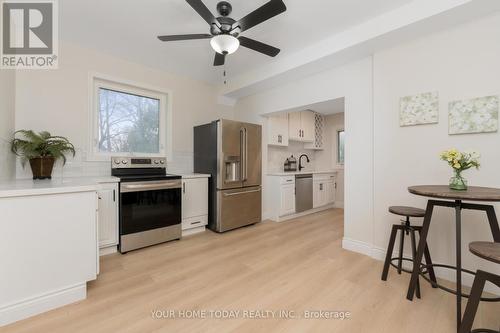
[194, 222]
[323, 176]
[287, 180]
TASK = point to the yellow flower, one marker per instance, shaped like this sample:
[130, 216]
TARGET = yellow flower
[456, 166]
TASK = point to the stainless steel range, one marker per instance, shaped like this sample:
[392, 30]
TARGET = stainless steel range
[150, 202]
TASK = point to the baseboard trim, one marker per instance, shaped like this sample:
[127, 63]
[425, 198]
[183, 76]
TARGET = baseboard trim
[296, 215]
[30, 307]
[339, 204]
[356, 246]
[379, 254]
[193, 231]
[108, 250]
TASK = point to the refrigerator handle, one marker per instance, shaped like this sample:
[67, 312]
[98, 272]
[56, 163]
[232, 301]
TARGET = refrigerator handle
[242, 154]
[245, 175]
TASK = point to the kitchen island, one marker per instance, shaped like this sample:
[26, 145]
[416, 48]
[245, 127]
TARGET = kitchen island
[48, 244]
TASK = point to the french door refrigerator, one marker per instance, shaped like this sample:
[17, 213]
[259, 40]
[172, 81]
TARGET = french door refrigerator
[231, 152]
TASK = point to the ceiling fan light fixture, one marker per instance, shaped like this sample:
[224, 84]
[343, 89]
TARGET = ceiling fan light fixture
[225, 44]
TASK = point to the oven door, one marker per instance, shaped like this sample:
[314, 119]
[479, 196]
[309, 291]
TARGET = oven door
[149, 206]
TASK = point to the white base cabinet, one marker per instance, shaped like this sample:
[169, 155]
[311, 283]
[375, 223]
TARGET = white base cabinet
[108, 215]
[194, 204]
[281, 195]
[324, 187]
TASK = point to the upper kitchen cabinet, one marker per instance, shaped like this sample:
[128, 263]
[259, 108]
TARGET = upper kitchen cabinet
[319, 125]
[301, 126]
[277, 127]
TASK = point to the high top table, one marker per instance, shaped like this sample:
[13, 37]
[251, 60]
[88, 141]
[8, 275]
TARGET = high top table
[455, 198]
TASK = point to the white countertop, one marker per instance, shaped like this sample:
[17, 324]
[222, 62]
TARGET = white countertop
[193, 175]
[27, 187]
[293, 173]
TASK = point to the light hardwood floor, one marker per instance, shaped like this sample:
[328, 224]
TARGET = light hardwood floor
[296, 265]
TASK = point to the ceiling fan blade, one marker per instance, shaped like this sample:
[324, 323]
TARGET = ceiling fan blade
[172, 38]
[264, 13]
[204, 12]
[259, 46]
[219, 59]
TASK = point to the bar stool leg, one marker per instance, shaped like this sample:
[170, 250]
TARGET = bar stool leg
[428, 260]
[473, 303]
[401, 248]
[475, 298]
[414, 256]
[388, 256]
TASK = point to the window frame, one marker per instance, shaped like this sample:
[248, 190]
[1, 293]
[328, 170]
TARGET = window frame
[337, 147]
[98, 81]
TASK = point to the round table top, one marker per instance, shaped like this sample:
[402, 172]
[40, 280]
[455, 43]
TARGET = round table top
[473, 193]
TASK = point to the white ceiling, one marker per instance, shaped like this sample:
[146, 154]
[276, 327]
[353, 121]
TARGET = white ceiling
[128, 29]
[328, 107]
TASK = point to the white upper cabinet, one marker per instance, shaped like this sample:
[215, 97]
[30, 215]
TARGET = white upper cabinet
[277, 130]
[301, 126]
[318, 142]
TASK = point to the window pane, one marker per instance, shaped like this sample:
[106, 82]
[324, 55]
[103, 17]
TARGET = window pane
[128, 123]
[340, 147]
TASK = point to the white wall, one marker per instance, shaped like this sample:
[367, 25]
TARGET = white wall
[460, 63]
[354, 82]
[7, 108]
[57, 101]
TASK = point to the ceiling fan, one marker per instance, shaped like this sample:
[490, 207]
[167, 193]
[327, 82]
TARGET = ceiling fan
[225, 31]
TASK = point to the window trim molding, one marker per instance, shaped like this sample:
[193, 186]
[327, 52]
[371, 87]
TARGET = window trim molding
[336, 131]
[98, 80]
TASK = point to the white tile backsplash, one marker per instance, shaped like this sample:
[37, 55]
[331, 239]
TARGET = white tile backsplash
[181, 162]
[276, 156]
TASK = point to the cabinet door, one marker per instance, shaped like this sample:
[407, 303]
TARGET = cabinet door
[294, 126]
[308, 122]
[194, 197]
[278, 130]
[108, 216]
[287, 200]
[330, 192]
[316, 194]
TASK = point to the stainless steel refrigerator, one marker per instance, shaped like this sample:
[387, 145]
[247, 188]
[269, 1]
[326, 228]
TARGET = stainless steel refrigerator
[231, 152]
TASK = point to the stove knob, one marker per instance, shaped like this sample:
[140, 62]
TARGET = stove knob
[124, 161]
[156, 161]
[162, 161]
[117, 161]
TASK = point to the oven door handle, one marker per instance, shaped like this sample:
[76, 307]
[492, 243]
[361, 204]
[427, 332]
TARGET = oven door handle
[149, 186]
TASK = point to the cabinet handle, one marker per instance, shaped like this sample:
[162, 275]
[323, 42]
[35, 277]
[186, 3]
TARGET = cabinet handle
[197, 222]
[114, 196]
[321, 187]
[280, 140]
[183, 187]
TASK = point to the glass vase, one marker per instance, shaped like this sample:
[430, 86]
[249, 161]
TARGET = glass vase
[457, 182]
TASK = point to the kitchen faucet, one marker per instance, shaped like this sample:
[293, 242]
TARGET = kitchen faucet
[300, 161]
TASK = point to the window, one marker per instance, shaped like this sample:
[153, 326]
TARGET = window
[127, 120]
[340, 147]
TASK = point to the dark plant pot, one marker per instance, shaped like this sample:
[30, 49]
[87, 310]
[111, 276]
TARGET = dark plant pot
[42, 167]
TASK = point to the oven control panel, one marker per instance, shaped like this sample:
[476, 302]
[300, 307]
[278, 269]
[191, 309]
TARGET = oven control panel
[138, 162]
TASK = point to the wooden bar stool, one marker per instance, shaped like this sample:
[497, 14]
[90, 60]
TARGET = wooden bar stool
[406, 229]
[491, 252]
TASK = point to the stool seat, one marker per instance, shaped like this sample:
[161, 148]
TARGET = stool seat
[407, 211]
[486, 250]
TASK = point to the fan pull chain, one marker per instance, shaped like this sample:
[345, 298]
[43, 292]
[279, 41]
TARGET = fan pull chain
[225, 80]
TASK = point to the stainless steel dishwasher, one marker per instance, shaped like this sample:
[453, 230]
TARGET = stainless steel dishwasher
[303, 192]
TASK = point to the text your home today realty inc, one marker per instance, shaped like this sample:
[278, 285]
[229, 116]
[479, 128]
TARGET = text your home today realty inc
[250, 314]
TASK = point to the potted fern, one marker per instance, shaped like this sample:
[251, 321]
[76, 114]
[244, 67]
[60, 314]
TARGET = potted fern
[41, 150]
